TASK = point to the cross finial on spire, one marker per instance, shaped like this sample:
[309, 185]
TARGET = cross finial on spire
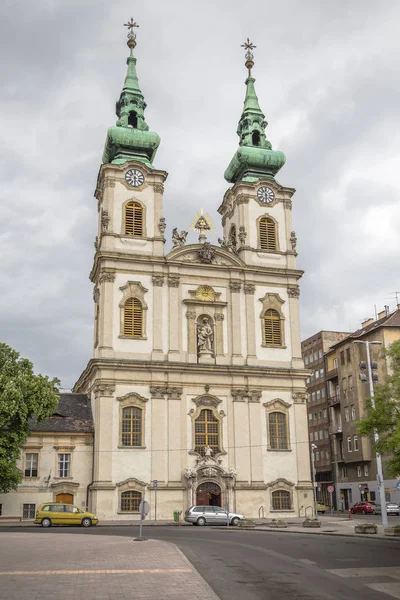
[131, 34]
[249, 56]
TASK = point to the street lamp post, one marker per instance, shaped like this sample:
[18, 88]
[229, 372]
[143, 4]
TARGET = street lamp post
[381, 485]
[314, 447]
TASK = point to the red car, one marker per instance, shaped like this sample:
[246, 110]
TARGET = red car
[362, 507]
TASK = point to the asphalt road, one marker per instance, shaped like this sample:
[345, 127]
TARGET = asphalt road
[250, 565]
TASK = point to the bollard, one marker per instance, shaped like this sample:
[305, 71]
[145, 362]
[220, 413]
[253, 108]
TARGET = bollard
[349, 511]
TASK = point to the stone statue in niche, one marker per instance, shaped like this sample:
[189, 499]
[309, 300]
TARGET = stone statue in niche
[205, 338]
[178, 238]
[208, 451]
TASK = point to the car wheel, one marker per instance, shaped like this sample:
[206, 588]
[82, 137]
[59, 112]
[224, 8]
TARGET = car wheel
[353, 512]
[235, 521]
[363, 512]
[86, 522]
[201, 521]
[46, 523]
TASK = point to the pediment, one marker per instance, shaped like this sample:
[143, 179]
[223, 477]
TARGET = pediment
[206, 254]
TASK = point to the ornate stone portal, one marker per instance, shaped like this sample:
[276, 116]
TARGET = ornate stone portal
[209, 469]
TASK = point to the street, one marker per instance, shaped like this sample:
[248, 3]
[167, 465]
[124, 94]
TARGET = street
[250, 565]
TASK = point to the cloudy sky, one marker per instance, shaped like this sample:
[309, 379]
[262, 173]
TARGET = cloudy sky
[327, 80]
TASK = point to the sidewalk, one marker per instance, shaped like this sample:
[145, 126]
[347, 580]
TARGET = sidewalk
[50, 567]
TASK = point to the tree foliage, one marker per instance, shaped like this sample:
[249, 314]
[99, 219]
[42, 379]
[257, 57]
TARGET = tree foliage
[23, 395]
[385, 416]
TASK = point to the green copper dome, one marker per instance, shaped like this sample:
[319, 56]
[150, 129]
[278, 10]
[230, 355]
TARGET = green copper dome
[254, 159]
[130, 138]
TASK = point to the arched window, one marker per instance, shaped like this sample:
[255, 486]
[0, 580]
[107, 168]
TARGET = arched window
[267, 234]
[132, 119]
[133, 318]
[131, 425]
[278, 435]
[232, 237]
[281, 500]
[255, 138]
[133, 219]
[272, 328]
[130, 501]
[206, 432]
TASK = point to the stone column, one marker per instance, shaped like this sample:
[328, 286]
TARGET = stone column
[235, 287]
[174, 318]
[106, 321]
[249, 290]
[219, 334]
[191, 317]
[159, 223]
[158, 351]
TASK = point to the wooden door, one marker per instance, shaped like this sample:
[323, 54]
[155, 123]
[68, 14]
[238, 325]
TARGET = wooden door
[65, 498]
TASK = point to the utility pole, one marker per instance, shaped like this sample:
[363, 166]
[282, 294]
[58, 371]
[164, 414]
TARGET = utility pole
[381, 485]
[314, 447]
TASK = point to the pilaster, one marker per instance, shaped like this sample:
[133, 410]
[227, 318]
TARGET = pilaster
[174, 317]
[249, 290]
[103, 440]
[235, 287]
[106, 302]
[158, 283]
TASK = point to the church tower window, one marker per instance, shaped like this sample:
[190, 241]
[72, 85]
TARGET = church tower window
[206, 428]
[131, 434]
[133, 318]
[267, 234]
[133, 219]
[272, 328]
[278, 435]
[130, 501]
[132, 119]
[255, 138]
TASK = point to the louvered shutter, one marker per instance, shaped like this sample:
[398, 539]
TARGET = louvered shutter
[267, 233]
[134, 219]
[133, 318]
[272, 328]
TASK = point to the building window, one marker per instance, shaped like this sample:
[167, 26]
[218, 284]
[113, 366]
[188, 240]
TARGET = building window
[313, 396]
[349, 445]
[308, 380]
[318, 395]
[281, 500]
[366, 472]
[64, 465]
[350, 382]
[324, 413]
[322, 455]
[133, 219]
[355, 441]
[206, 432]
[320, 353]
[321, 372]
[131, 434]
[358, 471]
[346, 414]
[133, 318]
[326, 434]
[327, 455]
[315, 416]
[323, 393]
[272, 328]
[321, 434]
[348, 357]
[316, 374]
[335, 363]
[317, 456]
[311, 436]
[311, 358]
[28, 511]
[353, 412]
[31, 464]
[344, 472]
[315, 355]
[278, 434]
[310, 416]
[130, 501]
[306, 360]
[267, 234]
[342, 357]
[308, 398]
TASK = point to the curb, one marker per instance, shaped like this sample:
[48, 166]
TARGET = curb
[332, 534]
[206, 586]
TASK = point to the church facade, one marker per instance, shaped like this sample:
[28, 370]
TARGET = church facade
[197, 382]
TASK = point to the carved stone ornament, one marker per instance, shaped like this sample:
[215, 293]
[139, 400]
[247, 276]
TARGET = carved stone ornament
[294, 292]
[160, 391]
[103, 390]
[158, 280]
[206, 254]
[173, 281]
[190, 473]
[178, 238]
[242, 235]
[109, 182]
[207, 401]
[96, 242]
[293, 241]
[162, 225]
[207, 387]
[105, 220]
[226, 244]
[219, 317]
[174, 393]
[299, 397]
[158, 188]
[107, 276]
[239, 395]
[209, 472]
[287, 204]
[235, 286]
[249, 288]
[191, 315]
[96, 294]
[242, 199]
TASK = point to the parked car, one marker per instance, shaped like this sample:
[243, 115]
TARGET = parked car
[391, 509]
[362, 507]
[57, 513]
[321, 508]
[211, 515]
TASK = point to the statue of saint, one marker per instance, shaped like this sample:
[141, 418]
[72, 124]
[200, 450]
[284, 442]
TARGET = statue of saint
[208, 451]
[205, 337]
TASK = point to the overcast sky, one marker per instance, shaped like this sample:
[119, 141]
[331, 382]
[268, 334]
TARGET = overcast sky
[327, 81]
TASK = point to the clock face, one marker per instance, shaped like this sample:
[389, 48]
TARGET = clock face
[134, 177]
[265, 195]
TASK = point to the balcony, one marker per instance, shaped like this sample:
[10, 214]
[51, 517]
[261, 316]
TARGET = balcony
[335, 429]
[333, 400]
[331, 374]
[337, 458]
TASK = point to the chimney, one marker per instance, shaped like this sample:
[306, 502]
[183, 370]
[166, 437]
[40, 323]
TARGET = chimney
[382, 314]
[367, 322]
[387, 309]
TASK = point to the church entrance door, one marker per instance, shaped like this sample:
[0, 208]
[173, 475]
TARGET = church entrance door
[208, 494]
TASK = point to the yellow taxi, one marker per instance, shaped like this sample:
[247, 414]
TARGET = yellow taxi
[57, 513]
[321, 508]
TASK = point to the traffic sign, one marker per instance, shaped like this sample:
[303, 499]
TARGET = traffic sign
[144, 508]
[398, 485]
[331, 489]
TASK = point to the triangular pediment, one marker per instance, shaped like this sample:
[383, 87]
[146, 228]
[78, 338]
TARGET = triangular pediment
[205, 254]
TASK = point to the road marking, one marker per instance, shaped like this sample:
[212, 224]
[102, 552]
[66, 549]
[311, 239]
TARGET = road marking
[391, 589]
[367, 572]
[96, 571]
[306, 561]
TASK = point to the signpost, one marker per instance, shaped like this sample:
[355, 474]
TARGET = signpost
[398, 486]
[155, 485]
[144, 508]
[331, 489]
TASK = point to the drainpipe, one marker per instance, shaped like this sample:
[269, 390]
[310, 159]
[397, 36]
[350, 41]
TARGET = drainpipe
[92, 482]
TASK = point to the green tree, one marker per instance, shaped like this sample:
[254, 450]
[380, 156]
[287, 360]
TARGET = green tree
[23, 395]
[385, 416]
